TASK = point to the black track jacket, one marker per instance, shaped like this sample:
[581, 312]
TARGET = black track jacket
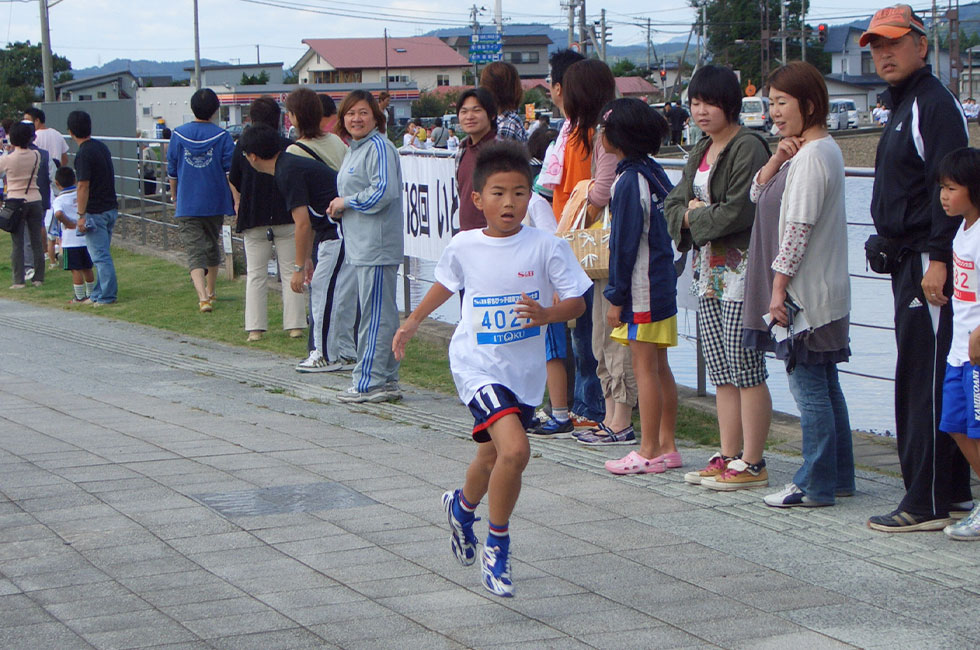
[926, 123]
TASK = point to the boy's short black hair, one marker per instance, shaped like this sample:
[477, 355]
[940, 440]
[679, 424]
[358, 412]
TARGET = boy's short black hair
[560, 61]
[204, 104]
[80, 124]
[328, 105]
[262, 140]
[718, 86]
[507, 156]
[65, 176]
[633, 127]
[35, 113]
[962, 167]
[21, 134]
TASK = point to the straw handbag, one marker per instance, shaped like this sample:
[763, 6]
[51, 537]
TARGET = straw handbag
[589, 242]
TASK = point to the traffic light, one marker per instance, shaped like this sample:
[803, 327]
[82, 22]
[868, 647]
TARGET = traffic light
[822, 32]
[663, 74]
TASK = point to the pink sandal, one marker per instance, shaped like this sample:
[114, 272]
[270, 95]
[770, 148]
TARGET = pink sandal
[633, 463]
[671, 460]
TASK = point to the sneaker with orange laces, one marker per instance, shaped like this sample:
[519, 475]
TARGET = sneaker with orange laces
[716, 465]
[582, 422]
[738, 476]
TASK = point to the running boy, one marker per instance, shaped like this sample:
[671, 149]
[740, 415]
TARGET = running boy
[74, 253]
[497, 351]
[959, 194]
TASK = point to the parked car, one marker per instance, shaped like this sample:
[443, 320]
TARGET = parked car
[755, 113]
[843, 115]
[235, 130]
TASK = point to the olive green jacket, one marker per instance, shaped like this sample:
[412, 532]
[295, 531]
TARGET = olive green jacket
[728, 219]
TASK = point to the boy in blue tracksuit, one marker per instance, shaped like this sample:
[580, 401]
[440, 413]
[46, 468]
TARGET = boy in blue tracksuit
[198, 162]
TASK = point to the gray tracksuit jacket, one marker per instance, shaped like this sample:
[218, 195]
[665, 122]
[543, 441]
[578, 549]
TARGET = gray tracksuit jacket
[370, 182]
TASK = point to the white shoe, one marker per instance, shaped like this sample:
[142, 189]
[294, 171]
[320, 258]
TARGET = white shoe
[313, 363]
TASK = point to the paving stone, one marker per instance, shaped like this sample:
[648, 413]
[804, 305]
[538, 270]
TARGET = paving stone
[223, 626]
[289, 639]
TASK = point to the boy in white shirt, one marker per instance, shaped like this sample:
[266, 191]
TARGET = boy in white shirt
[497, 352]
[74, 253]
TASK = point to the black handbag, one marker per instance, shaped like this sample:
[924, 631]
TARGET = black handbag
[883, 254]
[12, 211]
[11, 214]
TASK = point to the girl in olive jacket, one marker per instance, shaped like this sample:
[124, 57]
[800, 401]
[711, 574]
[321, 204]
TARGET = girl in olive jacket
[710, 210]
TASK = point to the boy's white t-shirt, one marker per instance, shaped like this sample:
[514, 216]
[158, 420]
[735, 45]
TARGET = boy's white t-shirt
[489, 345]
[67, 202]
[540, 215]
[966, 291]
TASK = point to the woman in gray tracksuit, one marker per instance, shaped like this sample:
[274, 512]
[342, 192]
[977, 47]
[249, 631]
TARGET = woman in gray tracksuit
[369, 207]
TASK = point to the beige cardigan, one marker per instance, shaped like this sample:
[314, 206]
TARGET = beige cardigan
[20, 167]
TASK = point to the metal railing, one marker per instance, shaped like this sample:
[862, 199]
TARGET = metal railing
[145, 210]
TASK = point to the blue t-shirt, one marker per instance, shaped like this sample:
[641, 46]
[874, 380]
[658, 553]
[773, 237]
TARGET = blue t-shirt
[200, 158]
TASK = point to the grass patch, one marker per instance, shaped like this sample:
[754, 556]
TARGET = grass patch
[159, 293]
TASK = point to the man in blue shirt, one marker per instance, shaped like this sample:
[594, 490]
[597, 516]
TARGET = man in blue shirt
[198, 162]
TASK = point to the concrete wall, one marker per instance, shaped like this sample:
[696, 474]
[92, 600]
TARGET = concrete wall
[233, 76]
[109, 119]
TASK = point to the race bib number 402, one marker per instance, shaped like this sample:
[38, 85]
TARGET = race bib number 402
[964, 280]
[495, 321]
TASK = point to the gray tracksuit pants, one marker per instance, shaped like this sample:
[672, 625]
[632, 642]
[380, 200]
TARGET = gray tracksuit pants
[376, 365]
[333, 302]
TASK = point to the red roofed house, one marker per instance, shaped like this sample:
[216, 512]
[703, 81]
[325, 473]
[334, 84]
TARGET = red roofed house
[425, 60]
[635, 87]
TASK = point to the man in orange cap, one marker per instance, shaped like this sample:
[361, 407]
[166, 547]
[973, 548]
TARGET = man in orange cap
[926, 123]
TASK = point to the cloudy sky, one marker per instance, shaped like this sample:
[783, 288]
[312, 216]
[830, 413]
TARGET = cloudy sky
[90, 32]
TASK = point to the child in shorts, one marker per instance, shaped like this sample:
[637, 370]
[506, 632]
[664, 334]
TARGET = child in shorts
[642, 288]
[497, 352]
[959, 194]
[74, 253]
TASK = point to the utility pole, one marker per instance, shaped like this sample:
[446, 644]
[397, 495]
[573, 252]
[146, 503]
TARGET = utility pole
[649, 43]
[499, 16]
[47, 66]
[570, 5]
[954, 49]
[764, 42]
[258, 57]
[474, 14]
[782, 28]
[803, 33]
[197, 50]
[935, 39]
[605, 34]
[583, 31]
[387, 80]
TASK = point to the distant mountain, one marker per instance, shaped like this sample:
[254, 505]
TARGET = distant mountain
[637, 53]
[144, 68]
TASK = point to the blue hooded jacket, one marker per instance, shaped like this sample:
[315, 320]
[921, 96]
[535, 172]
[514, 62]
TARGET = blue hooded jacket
[642, 278]
[199, 158]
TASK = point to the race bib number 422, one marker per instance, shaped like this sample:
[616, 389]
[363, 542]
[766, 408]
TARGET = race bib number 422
[495, 321]
[964, 280]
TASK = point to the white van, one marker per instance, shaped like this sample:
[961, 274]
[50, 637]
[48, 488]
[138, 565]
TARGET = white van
[755, 113]
[843, 114]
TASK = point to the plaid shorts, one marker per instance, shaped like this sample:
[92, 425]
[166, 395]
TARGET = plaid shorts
[720, 326]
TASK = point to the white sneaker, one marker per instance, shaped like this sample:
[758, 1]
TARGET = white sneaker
[313, 363]
[340, 365]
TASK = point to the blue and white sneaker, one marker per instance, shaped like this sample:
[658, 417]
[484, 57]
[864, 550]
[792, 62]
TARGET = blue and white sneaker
[553, 428]
[463, 540]
[496, 571]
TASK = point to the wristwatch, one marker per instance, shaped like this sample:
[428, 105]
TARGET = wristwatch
[297, 268]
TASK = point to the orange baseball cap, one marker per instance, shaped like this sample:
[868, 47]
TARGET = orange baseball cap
[893, 22]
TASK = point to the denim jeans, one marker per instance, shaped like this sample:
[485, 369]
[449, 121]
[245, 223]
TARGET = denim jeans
[588, 400]
[97, 242]
[828, 455]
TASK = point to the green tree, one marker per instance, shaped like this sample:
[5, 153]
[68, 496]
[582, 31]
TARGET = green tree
[255, 79]
[624, 68]
[734, 30]
[430, 105]
[536, 97]
[21, 76]
[290, 77]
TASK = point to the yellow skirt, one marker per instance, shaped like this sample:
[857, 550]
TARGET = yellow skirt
[663, 333]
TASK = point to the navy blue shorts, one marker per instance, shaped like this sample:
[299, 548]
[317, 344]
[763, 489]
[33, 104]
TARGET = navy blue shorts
[75, 258]
[493, 402]
[961, 400]
[555, 341]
